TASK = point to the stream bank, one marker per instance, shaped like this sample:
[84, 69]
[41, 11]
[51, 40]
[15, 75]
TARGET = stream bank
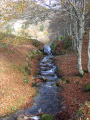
[75, 98]
[47, 100]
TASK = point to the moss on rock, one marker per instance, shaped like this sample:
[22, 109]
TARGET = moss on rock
[47, 117]
[87, 88]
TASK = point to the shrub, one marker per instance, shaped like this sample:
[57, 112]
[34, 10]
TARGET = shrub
[53, 46]
[61, 37]
[67, 42]
[58, 47]
[61, 47]
[42, 27]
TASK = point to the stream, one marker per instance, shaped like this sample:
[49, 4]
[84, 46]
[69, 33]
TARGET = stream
[47, 100]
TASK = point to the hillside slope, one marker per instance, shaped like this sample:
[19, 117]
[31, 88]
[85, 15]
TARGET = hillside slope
[18, 64]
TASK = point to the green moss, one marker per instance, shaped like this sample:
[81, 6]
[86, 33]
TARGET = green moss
[87, 88]
[47, 117]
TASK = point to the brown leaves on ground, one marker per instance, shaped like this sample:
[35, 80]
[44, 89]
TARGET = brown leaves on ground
[74, 95]
[15, 93]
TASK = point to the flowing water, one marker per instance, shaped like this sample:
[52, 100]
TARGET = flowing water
[47, 99]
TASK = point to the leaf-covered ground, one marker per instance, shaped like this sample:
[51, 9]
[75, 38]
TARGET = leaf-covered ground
[18, 65]
[75, 98]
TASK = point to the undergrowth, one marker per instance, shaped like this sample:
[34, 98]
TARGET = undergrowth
[60, 47]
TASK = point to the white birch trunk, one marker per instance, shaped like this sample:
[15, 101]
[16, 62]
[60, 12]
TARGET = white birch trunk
[83, 22]
[79, 48]
[75, 35]
[73, 29]
[70, 29]
[83, 15]
[80, 42]
[64, 31]
[88, 52]
[67, 31]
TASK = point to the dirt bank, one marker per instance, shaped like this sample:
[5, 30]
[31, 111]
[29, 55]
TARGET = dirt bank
[18, 64]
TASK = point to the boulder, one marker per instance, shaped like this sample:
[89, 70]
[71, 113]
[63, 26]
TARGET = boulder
[24, 117]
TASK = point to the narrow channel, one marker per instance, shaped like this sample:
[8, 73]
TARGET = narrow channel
[48, 100]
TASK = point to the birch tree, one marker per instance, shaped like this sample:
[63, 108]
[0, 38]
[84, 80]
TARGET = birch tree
[21, 9]
[78, 15]
[76, 10]
[88, 52]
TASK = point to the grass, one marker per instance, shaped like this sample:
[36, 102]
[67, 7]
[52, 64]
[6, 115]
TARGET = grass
[12, 39]
[26, 71]
[34, 53]
[21, 68]
[26, 80]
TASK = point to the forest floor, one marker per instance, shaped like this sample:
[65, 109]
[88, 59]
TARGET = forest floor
[18, 65]
[75, 98]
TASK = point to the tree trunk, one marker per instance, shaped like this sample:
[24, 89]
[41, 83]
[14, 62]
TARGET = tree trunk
[79, 62]
[64, 31]
[73, 29]
[88, 52]
[83, 22]
[83, 14]
[74, 44]
[70, 29]
[79, 48]
[67, 31]
[75, 35]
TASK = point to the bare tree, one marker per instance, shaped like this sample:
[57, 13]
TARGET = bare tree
[78, 16]
[88, 62]
[76, 11]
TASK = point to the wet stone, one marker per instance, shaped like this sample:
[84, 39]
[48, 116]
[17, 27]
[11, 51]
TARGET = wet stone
[26, 117]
